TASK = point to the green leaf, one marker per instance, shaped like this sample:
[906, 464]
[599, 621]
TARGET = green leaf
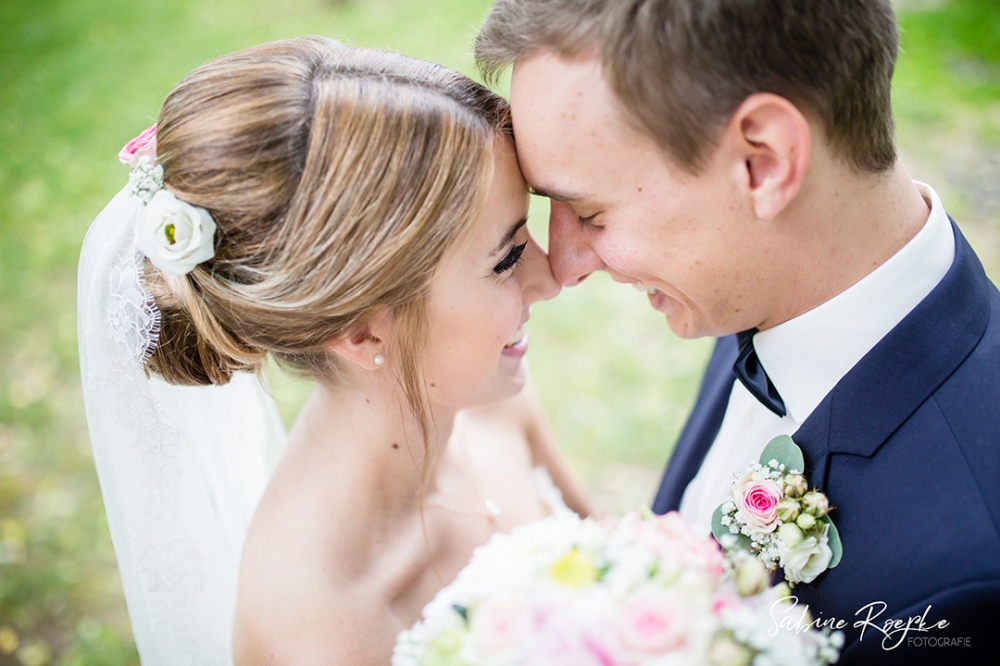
[463, 611]
[719, 530]
[833, 540]
[786, 452]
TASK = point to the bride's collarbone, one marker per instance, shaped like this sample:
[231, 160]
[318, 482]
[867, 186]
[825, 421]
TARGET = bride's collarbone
[361, 533]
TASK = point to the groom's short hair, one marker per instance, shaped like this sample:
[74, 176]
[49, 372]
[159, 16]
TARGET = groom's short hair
[680, 68]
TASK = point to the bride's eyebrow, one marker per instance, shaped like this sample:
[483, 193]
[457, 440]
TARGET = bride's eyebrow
[509, 236]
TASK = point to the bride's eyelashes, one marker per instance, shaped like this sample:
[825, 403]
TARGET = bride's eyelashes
[511, 260]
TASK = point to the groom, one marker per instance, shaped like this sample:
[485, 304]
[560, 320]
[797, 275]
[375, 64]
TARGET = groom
[736, 159]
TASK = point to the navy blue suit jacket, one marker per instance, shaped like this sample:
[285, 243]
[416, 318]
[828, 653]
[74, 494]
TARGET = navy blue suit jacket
[907, 447]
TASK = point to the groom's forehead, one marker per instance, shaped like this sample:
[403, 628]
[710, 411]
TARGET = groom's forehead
[558, 88]
[563, 108]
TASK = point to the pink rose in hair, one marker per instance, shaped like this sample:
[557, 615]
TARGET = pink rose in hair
[143, 145]
[757, 498]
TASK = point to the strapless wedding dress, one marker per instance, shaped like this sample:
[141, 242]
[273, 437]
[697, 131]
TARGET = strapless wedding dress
[548, 493]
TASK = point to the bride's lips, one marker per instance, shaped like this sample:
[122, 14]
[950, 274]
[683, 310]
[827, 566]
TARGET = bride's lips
[518, 343]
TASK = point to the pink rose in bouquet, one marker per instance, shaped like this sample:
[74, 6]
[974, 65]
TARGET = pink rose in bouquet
[670, 537]
[655, 622]
[494, 626]
[557, 632]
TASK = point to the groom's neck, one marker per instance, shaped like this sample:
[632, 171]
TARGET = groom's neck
[841, 227]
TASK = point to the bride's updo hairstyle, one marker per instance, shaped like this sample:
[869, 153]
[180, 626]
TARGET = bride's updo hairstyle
[338, 177]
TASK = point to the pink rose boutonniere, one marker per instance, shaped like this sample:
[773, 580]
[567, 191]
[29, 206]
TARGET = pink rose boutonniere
[772, 514]
[757, 498]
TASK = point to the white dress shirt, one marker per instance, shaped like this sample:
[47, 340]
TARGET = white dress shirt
[806, 356]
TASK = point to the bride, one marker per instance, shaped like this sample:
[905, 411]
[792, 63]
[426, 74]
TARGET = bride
[359, 216]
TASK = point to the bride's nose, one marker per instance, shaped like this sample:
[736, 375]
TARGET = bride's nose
[537, 282]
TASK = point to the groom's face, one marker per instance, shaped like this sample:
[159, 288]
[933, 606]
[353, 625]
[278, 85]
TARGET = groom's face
[619, 204]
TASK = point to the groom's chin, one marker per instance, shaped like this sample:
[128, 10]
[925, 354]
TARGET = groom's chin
[684, 329]
[679, 318]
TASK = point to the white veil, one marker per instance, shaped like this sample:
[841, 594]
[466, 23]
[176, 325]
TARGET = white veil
[181, 468]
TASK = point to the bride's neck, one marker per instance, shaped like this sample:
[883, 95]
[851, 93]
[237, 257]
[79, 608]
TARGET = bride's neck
[370, 433]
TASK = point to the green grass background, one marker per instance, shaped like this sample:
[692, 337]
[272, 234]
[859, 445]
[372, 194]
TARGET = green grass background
[78, 78]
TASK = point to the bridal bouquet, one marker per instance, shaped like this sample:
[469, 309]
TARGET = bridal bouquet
[646, 590]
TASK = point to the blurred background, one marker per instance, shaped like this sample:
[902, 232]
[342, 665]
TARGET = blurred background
[79, 78]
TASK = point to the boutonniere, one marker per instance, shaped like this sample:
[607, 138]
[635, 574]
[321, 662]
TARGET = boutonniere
[772, 514]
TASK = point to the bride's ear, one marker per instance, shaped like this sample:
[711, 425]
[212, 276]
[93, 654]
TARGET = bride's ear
[773, 140]
[365, 344]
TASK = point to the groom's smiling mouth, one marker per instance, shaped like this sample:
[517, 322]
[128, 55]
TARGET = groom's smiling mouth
[657, 299]
[643, 288]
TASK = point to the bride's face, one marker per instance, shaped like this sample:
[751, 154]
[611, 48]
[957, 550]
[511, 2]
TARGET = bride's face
[481, 296]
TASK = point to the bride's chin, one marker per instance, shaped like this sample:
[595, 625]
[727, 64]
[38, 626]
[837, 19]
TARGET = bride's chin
[514, 372]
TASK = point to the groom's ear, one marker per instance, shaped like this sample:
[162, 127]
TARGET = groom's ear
[362, 342]
[773, 139]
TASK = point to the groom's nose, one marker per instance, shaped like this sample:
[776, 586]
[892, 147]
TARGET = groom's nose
[570, 252]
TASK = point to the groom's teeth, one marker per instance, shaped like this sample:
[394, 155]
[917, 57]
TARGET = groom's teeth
[643, 288]
[517, 337]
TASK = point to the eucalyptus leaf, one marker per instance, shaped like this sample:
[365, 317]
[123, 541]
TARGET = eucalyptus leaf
[786, 452]
[719, 531]
[833, 540]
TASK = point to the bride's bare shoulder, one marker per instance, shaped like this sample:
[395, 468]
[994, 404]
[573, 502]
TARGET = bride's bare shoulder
[298, 602]
[305, 624]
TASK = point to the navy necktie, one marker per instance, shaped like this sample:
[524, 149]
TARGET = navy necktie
[749, 371]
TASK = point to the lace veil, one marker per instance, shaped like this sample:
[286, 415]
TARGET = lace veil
[181, 469]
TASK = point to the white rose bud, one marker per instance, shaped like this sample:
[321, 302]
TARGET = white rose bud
[805, 521]
[790, 534]
[788, 509]
[752, 577]
[816, 504]
[782, 591]
[727, 652]
[795, 485]
[175, 236]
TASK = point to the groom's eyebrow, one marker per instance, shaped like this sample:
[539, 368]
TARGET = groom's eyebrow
[509, 236]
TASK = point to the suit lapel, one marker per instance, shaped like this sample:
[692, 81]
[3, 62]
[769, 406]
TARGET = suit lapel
[701, 428]
[902, 370]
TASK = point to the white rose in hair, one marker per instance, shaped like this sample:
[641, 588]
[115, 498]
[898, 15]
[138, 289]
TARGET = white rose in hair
[174, 235]
[807, 559]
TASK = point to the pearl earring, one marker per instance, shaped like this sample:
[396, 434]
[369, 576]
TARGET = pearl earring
[379, 359]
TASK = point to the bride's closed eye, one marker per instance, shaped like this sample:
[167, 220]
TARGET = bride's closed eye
[511, 260]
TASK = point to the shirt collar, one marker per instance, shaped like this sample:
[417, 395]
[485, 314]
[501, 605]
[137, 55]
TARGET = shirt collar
[806, 356]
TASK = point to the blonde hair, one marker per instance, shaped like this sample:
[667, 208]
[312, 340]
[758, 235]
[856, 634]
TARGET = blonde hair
[338, 178]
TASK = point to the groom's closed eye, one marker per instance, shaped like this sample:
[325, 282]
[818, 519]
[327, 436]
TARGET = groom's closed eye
[563, 198]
